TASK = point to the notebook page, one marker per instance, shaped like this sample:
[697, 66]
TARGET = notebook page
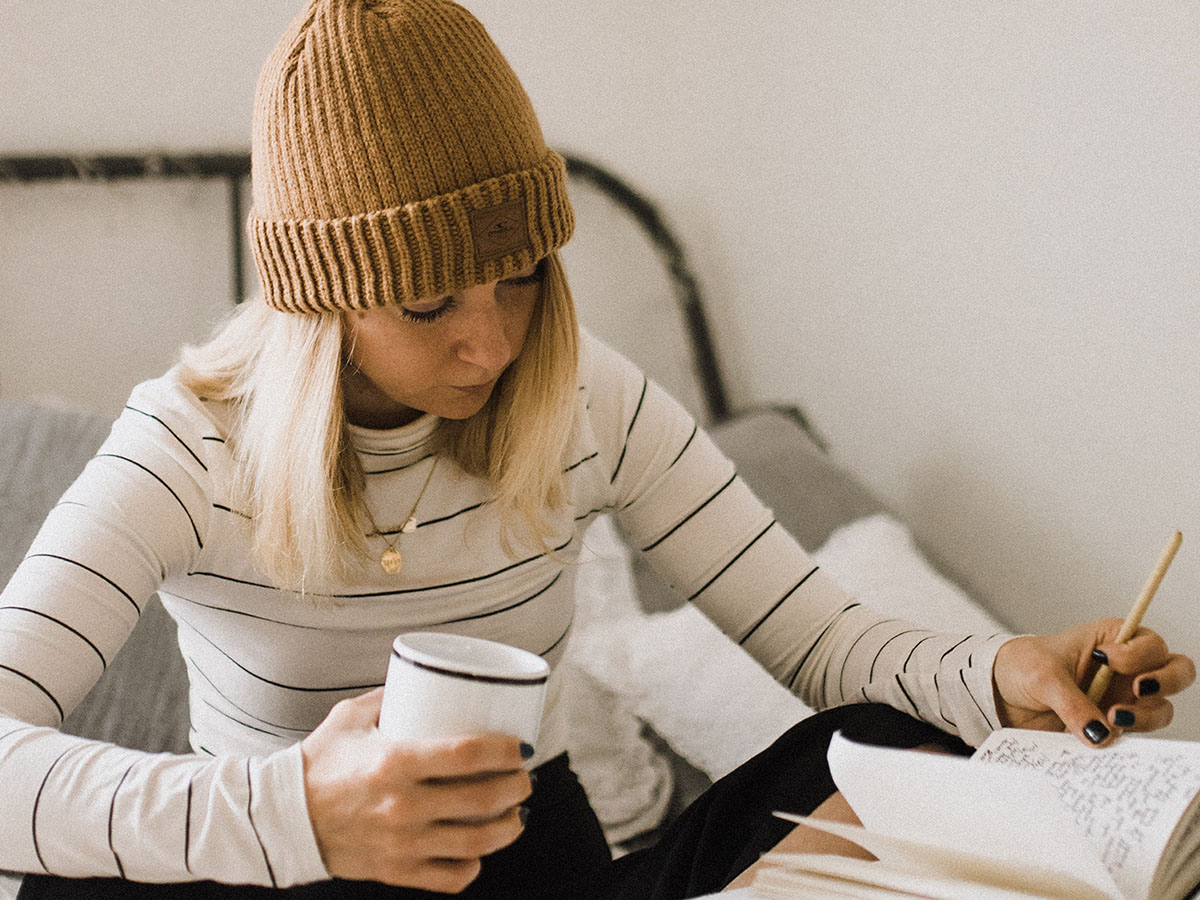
[1128, 797]
[778, 883]
[1010, 817]
[909, 867]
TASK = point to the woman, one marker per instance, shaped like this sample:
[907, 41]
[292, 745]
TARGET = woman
[409, 432]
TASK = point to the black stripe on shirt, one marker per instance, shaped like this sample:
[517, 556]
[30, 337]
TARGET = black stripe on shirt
[938, 692]
[434, 521]
[778, 604]
[908, 659]
[88, 568]
[250, 817]
[196, 667]
[384, 453]
[446, 518]
[182, 443]
[238, 721]
[8, 734]
[192, 733]
[278, 684]
[688, 517]
[846, 658]
[112, 809]
[629, 431]
[725, 568]
[791, 682]
[248, 615]
[415, 462]
[497, 612]
[230, 578]
[78, 634]
[187, 827]
[451, 584]
[561, 638]
[962, 675]
[581, 462]
[393, 593]
[904, 691]
[195, 530]
[37, 684]
[882, 647]
[952, 649]
[594, 512]
[686, 444]
[37, 800]
[224, 508]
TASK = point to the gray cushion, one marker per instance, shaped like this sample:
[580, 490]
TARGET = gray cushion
[141, 701]
[810, 495]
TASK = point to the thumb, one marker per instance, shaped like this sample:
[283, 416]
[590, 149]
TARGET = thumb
[1079, 714]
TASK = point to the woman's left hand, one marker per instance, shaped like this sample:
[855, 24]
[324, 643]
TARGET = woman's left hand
[1038, 677]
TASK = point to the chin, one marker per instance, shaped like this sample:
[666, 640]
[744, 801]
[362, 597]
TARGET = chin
[463, 408]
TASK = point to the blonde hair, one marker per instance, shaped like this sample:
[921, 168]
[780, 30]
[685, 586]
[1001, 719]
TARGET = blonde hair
[297, 473]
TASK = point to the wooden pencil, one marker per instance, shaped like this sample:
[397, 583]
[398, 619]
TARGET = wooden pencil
[1133, 621]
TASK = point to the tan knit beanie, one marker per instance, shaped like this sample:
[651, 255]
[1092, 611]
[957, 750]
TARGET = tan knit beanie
[396, 157]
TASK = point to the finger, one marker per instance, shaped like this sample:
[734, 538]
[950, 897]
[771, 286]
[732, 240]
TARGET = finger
[472, 799]
[1146, 715]
[465, 757]
[1178, 673]
[470, 840]
[1144, 651]
[1078, 714]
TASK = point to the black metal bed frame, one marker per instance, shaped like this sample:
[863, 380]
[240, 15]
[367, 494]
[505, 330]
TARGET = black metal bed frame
[234, 168]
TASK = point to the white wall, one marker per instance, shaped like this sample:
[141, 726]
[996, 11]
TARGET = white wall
[101, 283]
[963, 235]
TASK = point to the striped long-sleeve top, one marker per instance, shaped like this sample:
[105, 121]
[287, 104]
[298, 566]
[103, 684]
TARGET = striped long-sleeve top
[153, 511]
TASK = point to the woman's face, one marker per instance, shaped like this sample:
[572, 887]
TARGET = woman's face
[441, 355]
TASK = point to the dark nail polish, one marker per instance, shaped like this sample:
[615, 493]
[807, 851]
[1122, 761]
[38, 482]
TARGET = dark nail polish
[1095, 731]
[1147, 687]
[1100, 656]
[523, 814]
[526, 750]
[1123, 718]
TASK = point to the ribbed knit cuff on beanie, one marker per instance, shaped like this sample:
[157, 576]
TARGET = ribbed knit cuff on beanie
[395, 157]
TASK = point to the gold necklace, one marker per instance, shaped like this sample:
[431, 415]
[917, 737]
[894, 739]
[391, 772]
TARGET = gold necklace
[391, 561]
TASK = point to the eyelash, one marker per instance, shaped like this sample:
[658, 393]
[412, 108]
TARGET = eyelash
[432, 315]
[534, 277]
[429, 315]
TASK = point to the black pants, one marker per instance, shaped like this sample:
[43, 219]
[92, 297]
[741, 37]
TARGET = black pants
[562, 852]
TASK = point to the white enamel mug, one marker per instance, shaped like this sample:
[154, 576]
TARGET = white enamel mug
[449, 685]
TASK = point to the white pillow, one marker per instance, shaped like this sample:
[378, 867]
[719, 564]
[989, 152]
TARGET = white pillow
[685, 696]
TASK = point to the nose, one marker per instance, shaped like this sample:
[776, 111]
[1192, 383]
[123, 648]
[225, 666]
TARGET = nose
[483, 341]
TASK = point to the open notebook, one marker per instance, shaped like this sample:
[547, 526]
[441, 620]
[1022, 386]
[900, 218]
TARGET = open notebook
[1029, 815]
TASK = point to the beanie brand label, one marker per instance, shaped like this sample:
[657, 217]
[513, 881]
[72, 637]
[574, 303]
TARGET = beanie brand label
[499, 230]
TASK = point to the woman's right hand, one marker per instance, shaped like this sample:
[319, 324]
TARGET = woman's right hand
[416, 815]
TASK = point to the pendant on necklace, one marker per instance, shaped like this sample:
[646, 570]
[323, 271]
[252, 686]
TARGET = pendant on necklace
[409, 526]
[391, 561]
